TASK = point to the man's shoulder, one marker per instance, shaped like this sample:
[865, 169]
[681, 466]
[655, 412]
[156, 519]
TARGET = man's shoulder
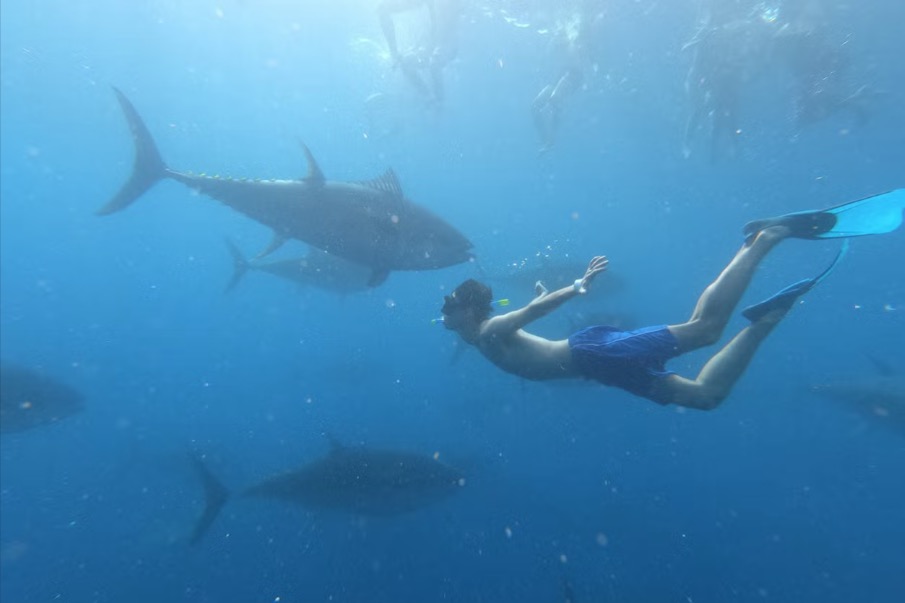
[490, 330]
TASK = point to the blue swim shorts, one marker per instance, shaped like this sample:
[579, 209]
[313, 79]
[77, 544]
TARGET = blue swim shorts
[630, 360]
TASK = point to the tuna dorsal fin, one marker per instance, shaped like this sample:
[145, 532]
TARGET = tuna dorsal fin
[388, 183]
[315, 175]
[275, 243]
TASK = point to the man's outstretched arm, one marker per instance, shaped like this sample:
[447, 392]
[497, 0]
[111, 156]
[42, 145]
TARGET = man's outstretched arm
[545, 303]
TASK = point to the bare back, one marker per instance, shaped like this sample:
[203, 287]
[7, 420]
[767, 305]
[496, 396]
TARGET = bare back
[527, 355]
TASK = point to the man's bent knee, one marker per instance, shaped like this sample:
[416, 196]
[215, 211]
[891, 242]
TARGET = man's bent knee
[698, 333]
[707, 401]
[688, 394]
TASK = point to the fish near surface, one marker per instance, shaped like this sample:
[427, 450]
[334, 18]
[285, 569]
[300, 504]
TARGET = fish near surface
[370, 222]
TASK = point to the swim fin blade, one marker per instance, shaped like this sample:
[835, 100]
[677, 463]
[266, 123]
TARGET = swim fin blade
[878, 214]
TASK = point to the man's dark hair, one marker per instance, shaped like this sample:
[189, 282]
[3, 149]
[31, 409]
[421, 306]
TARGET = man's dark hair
[470, 295]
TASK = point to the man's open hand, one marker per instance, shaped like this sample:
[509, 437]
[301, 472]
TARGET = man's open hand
[597, 265]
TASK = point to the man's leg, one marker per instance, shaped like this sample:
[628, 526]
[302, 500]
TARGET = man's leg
[542, 113]
[570, 81]
[437, 91]
[409, 64]
[716, 304]
[547, 106]
[719, 375]
[385, 11]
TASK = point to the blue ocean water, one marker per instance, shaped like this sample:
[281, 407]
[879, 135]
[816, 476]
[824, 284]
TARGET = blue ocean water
[574, 492]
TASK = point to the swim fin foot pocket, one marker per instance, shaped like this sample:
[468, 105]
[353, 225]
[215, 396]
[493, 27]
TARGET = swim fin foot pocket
[805, 225]
[782, 300]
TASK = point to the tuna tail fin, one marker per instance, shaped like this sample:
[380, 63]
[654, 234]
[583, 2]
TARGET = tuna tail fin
[215, 496]
[148, 167]
[240, 266]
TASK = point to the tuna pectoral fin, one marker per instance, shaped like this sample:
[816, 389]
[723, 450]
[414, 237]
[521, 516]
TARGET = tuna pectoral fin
[148, 168]
[377, 277]
[240, 266]
[215, 496]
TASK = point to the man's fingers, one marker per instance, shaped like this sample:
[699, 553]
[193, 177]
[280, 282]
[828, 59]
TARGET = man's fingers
[599, 263]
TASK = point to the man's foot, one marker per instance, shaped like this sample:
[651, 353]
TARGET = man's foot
[803, 225]
[785, 299]
[772, 234]
[776, 306]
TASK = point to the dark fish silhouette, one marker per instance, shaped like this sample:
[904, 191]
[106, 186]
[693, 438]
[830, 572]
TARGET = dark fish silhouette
[370, 222]
[30, 399]
[350, 479]
[315, 269]
[879, 397]
[568, 593]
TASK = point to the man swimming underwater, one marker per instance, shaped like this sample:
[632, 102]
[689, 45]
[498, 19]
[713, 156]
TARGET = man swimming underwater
[635, 360]
[441, 46]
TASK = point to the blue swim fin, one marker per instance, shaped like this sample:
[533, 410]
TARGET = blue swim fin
[878, 214]
[784, 299]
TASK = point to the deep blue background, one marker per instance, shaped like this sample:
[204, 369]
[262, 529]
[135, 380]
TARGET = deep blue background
[776, 496]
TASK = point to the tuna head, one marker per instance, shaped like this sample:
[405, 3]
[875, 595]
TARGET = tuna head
[429, 242]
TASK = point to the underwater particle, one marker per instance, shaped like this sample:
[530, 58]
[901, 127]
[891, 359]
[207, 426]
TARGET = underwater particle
[769, 14]
[881, 411]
